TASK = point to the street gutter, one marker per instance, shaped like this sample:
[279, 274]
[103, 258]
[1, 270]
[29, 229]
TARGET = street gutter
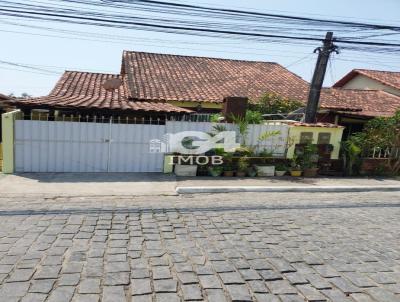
[285, 189]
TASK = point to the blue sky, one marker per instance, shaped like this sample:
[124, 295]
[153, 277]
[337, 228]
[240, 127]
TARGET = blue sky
[46, 51]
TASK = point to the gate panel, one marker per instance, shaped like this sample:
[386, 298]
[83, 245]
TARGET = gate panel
[130, 148]
[43, 146]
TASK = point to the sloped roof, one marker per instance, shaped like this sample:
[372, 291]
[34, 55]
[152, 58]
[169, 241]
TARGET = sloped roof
[85, 90]
[389, 78]
[151, 76]
[369, 103]
[4, 97]
[150, 80]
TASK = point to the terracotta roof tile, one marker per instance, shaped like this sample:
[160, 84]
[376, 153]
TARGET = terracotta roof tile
[368, 103]
[85, 90]
[389, 78]
[151, 76]
[319, 125]
[4, 97]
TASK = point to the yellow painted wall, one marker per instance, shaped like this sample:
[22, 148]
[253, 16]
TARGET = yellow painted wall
[7, 120]
[363, 82]
[188, 104]
[294, 138]
[168, 168]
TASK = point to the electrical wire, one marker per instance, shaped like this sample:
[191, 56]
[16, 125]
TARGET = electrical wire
[255, 30]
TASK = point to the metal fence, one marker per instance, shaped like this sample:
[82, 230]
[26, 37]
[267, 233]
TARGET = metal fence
[113, 146]
[378, 152]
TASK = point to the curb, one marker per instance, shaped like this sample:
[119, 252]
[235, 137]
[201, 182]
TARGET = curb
[286, 189]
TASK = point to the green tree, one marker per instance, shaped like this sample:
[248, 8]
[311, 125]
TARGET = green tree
[271, 103]
[382, 133]
[254, 117]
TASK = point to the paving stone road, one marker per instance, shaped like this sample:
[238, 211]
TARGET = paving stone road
[238, 247]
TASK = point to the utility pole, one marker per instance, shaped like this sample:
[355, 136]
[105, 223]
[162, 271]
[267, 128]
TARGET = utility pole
[319, 75]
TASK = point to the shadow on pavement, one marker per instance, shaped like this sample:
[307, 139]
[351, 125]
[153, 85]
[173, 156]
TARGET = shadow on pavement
[96, 177]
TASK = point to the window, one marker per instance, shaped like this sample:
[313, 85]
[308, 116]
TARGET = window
[324, 138]
[306, 137]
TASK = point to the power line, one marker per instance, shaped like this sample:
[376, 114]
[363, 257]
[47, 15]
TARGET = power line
[275, 23]
[267, 52]
[190, 29]
[234, 11]
[28, 67]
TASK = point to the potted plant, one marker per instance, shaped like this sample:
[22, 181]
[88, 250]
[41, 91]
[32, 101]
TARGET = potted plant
[310, 160]
[252, 171]
[295, 169]
[185, 170]
[215, 171]
[243, 151]
[228, 166]
[265, 169]
[243, 166]
[311, 170]
[280, 169]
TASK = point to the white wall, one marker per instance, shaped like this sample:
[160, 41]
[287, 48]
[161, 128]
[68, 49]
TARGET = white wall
[362, 82]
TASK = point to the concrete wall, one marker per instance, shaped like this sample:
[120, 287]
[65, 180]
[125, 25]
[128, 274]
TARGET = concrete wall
[363, 82]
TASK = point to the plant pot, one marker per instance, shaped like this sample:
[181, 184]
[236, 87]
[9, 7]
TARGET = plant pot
[296, 173]
[263, 171]
[251, 172]
[228, 173]
[185, 170]
[311, 172]
[241, 174]
[214, 172]
[280, 173]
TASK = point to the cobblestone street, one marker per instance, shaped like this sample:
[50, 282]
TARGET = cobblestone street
[238, 247]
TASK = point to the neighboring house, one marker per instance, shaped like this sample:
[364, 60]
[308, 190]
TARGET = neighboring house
[362, 105]
[365, 79]
[380, 91]
[163, 84]
[3, 105]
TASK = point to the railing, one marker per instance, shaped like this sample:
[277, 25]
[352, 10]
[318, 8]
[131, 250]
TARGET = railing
[382, 153]
[117, 119]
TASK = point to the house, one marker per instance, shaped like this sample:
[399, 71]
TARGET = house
[365, 79]
[3, 103]
[162, 84]
[84, 94]
[376, 92]
[362, 105]
[201, 84]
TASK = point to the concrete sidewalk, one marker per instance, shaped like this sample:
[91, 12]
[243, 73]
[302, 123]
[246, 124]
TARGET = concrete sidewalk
[52, 185]
[284, 184]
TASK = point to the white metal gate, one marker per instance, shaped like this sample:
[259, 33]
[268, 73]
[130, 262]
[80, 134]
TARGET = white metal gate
[47, 146]
[57, 146]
